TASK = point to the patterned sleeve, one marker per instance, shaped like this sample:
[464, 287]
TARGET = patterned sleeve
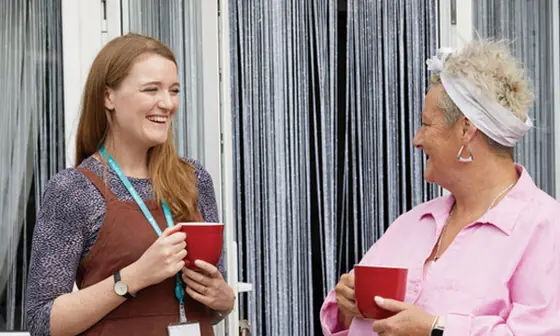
[207, 202]
[206, 194]
[61, 237]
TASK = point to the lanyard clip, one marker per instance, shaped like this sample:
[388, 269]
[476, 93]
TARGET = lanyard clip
[179, 291]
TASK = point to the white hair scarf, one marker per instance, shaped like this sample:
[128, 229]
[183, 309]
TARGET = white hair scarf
[489, 116]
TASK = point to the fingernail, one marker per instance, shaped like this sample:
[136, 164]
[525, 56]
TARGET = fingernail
[379, 300]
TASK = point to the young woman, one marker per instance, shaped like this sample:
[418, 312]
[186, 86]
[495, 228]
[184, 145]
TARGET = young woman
[109, 223]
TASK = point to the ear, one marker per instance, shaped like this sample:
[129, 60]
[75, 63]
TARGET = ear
[109, 99]
[468, 130]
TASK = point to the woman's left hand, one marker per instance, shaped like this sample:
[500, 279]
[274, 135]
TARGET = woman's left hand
[208, 287]
[409, 320]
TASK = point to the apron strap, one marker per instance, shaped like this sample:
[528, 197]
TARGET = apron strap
[99, 184]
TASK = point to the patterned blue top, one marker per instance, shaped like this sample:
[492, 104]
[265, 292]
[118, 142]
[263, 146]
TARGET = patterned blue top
[67, 227]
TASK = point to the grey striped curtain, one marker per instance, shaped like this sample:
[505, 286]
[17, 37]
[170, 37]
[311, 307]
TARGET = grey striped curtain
[528, 24]
[31, 136]
[326, 97]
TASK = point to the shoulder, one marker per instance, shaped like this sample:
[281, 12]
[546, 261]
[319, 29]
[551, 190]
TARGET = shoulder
[70, 193]
[67, 184]
[541, 212]
[206, 194]
[543, 200]
[533, 242]
[202, 175]
[529, 207]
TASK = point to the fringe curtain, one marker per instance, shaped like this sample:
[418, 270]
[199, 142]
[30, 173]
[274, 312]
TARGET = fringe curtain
[326, 98]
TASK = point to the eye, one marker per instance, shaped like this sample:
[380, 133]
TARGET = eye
[176, 90]
[150, 89]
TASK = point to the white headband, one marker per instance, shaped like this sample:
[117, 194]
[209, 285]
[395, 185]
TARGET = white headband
[494, 120]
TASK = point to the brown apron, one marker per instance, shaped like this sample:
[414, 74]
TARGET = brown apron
[124, 236]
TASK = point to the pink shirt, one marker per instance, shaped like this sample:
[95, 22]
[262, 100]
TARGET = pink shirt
[500, 276]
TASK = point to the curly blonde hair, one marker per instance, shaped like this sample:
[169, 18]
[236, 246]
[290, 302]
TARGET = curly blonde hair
[497, 73]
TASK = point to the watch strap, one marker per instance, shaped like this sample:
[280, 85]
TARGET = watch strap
[117, 278]
[438, 326]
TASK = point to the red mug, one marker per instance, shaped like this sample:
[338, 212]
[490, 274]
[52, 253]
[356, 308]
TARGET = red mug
[372, 281]
[204, 242]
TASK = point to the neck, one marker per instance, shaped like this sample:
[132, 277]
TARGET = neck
[482, 185]
[132, 159]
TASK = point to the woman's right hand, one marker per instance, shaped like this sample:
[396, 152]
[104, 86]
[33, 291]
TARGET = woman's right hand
[346, 300]
[163, 259]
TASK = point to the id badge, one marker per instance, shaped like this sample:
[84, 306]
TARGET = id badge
[184, 329]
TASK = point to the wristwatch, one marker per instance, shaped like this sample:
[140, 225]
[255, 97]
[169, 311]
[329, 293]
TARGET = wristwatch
[438, 327]
[120, 287]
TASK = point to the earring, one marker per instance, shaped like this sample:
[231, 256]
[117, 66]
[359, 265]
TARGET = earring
[460, 156]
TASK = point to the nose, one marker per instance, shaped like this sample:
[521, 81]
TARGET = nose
[416, 141]
[166, 101]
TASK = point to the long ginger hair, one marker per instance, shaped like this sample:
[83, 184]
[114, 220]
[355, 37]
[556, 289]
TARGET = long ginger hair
[173, 179]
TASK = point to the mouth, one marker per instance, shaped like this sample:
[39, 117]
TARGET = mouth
[160, 120]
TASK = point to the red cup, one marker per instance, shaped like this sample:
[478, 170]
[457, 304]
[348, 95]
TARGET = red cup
[372, 281]
[204, 242]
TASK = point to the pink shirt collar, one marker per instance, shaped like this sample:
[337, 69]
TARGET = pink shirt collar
[503, 215]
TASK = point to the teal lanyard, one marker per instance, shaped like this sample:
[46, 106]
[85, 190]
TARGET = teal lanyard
[168, 217]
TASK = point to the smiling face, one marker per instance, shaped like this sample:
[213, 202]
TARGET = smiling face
[144, 104]
[437, 140]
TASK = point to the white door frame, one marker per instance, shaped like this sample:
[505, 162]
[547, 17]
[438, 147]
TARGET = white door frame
[226, 138]
[455, 30]
[82, 27]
